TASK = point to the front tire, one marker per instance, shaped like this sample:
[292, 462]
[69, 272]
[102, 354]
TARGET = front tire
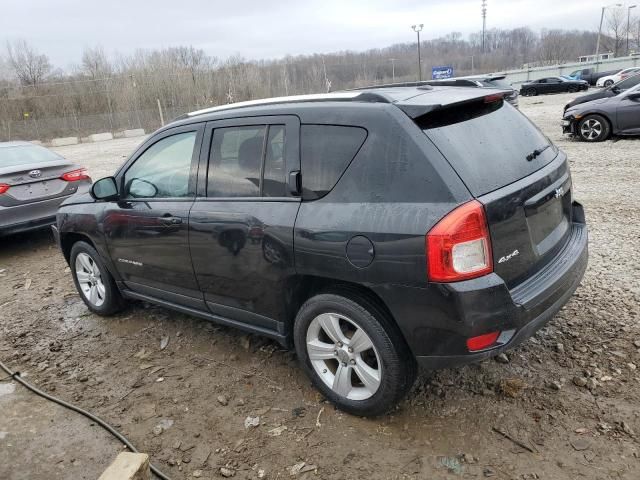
[594, 128]
[94, 283]
[353, 354]
[608, 83]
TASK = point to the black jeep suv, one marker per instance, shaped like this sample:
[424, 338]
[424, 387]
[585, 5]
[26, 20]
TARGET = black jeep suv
[372, 230]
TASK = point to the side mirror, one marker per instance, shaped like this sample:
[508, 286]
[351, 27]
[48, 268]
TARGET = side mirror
[139, 188]
[105, 189]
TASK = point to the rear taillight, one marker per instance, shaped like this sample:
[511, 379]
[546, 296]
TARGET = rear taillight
[75, 175]
[458, 246]
[3, 188]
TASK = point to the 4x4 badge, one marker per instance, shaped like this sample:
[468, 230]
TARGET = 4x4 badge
[515, 253]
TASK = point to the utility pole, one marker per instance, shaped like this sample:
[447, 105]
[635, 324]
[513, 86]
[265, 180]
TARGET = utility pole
[600, 32]
[484, 22]
[418, 29]
[629, 18]
[393, 69]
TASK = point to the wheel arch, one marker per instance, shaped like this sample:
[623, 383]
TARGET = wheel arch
[69, 239]
[601, 114]
[303, 287]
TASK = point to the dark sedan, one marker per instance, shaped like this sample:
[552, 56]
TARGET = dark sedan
[552, 85]
[595, 121]
[481, 81]
[33, 183]
[607, 92]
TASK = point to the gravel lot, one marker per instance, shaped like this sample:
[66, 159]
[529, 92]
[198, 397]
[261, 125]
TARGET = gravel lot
[567, 401]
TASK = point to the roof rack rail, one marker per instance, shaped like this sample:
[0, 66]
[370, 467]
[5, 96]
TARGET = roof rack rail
[321, 97]
[422, 83]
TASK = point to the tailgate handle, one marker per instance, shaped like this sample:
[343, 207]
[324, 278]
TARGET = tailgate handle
[555, 190]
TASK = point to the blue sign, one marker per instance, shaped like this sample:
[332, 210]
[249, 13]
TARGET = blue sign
[438, 73]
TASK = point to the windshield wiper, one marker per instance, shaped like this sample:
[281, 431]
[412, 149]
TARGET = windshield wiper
[536, 153]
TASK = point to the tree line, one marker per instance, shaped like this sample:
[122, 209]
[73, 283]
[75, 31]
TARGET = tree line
[106, 93]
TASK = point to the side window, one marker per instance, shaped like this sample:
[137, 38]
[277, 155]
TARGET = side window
[327, 151]
[235, 161]
[163, 170]
[273, 184]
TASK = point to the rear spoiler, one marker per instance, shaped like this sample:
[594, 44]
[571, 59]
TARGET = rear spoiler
[418, 106]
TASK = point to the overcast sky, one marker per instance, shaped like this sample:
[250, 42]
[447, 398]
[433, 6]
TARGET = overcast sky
[266, 28]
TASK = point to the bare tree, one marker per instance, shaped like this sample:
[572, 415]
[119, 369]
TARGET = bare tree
[617, 29]
[30, 67]
[95, 63]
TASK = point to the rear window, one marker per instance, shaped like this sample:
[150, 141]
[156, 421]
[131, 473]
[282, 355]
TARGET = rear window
[487, 143]
[629, 82]
[327, 151]
[25, 155]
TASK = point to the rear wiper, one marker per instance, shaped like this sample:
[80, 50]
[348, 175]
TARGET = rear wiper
[537, 152]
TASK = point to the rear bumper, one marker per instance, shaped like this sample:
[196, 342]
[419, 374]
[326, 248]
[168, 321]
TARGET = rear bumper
[437, 320]
[31, 216]
[27, 226]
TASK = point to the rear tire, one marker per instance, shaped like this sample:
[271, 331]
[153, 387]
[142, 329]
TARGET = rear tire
[594, 128]
[530, 92]
[94, 283]
[353, 353]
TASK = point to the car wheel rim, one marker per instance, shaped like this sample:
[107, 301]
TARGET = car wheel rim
[591, 129]
[90, 279]
[343, 356]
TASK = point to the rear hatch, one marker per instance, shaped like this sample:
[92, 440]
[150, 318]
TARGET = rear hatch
[515, 172]
[33, 174]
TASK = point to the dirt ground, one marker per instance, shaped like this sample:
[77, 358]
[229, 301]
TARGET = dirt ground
[567, 401]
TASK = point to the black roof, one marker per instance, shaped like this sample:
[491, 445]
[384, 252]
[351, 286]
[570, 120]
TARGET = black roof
[414, 101]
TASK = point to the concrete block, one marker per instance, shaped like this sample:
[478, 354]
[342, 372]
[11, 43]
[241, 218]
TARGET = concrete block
[60, 142]
[100, 137]
[136, 132]
[128, 466]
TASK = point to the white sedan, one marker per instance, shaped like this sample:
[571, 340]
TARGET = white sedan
[616, 77]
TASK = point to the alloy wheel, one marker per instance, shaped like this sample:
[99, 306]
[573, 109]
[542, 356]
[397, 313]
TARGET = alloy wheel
[90, 279]
[591, 129]
[343, 356]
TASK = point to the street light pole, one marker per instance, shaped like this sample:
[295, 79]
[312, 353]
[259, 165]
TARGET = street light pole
[418, 29]
[629, 18]
[600, 31]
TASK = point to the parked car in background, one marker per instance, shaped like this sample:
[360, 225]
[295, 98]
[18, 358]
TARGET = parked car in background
[611, 91]
[615, 78]
[387, 227]
[34, 181]
[552, 85]
[595, 121]
[590, 75]
[481, 81]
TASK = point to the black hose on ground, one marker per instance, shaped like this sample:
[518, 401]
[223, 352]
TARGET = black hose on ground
[16, 376]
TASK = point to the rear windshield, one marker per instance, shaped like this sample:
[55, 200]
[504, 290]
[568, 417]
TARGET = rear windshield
[498, 83]
[628, 82]
[487, 143]
[25, 155]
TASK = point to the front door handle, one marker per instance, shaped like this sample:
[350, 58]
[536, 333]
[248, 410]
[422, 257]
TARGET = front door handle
[170, 220]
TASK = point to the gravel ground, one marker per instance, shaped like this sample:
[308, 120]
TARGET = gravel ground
[566, 401]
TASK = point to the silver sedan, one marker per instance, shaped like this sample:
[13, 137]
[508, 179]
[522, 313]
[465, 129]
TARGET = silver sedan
[34, 181]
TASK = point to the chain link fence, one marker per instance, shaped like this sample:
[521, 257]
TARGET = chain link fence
[32, 127]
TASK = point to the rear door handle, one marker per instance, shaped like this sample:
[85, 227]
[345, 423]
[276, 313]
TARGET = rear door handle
[170, 220]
